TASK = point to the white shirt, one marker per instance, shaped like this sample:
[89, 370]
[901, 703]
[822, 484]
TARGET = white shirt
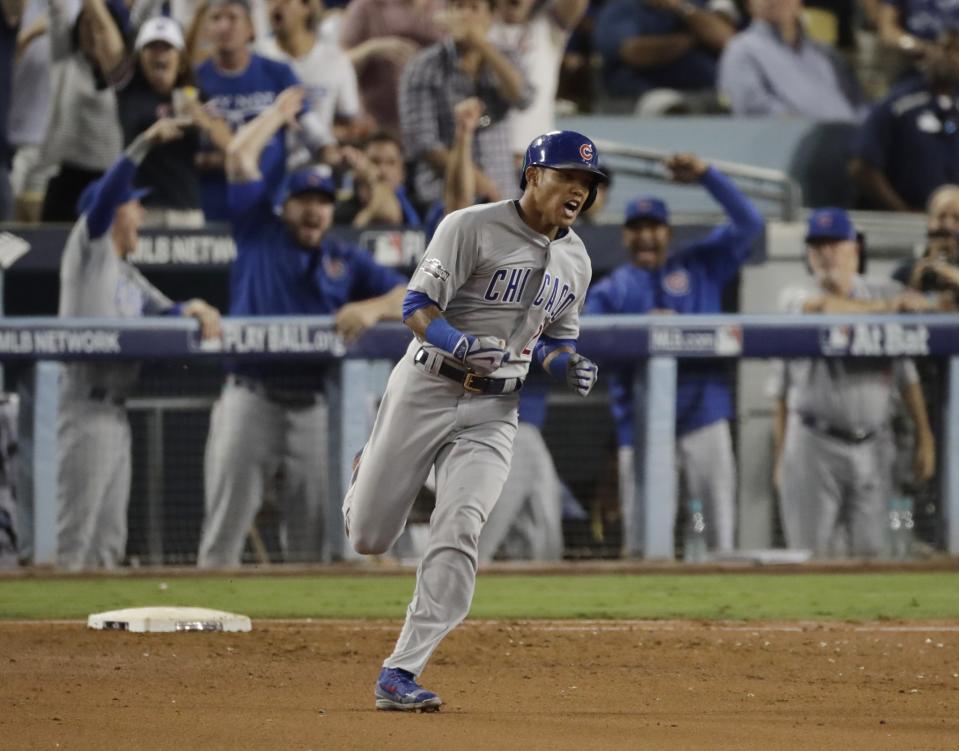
[539, 44]
[326, 73]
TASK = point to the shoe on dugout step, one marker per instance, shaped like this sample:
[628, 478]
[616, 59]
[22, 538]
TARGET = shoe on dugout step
[397, 689]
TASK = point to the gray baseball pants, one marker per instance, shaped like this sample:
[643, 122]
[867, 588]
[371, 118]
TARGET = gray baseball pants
[426, 419]
[251, 440]
[705, 460]
[833, 494]
[93, 483]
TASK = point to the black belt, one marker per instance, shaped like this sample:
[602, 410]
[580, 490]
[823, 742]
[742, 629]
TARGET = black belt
[840, 434]
[470, 381]
[283, 397]
[99, 394]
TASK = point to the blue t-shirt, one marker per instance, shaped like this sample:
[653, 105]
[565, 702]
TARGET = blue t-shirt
[274, 275]
[912, 137]
[621, 19]
[691, 281]
[238, 98]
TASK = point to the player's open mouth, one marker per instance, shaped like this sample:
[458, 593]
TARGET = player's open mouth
[570, 208]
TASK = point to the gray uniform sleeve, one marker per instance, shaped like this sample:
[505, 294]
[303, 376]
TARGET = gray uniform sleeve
[791, 300]
[155, 303]
[449, 260]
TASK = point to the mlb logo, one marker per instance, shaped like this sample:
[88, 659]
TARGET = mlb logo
[835, 339]
[729, 340]
[676, 282]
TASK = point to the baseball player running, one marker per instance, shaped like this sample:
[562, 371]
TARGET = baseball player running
[93, 432]
[501, 286]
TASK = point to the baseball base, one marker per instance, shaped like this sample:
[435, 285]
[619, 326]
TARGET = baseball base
[154, 620]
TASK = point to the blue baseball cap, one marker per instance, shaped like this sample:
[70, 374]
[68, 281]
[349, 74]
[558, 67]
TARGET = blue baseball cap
[829, 223]
[85, 201]
[310, 180]
[648, 208]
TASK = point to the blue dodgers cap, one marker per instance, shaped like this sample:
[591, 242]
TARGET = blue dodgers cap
[310, 180]
[85, 201]
[829, 223]
[648, 208]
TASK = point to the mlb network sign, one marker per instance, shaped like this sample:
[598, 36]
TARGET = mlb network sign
[875, 340]
[692, 341]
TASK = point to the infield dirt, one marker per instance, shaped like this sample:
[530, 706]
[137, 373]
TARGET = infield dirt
[507, 685]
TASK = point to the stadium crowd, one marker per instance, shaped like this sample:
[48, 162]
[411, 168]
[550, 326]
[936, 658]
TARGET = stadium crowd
[80, 79]
[283, 118]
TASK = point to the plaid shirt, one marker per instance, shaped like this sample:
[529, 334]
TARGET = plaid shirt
[432, 84]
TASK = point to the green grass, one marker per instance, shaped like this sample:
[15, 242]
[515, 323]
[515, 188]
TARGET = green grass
[868, 596]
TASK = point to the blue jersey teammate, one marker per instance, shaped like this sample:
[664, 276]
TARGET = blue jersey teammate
[689, 281]
[273, 418]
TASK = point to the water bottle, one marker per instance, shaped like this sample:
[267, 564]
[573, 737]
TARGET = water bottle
[901, 526]
[694, 539]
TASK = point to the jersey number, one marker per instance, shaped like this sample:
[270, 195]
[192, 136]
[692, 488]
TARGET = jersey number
[528, 349]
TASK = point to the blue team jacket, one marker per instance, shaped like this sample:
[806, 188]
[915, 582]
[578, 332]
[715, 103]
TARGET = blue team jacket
[691, 281]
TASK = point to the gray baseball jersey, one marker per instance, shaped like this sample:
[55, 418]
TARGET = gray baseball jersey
[834, 487]
[96, 282]
[485, 270]
[849, 394]
[491, 275]
[92, 428]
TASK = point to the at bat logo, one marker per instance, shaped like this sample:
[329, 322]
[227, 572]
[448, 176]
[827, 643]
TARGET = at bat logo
[586, 152]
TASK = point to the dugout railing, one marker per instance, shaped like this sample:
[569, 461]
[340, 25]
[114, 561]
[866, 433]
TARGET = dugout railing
[761, 183]
[359, 373]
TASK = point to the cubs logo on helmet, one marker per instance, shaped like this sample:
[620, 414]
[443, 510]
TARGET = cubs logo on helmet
[565, 150]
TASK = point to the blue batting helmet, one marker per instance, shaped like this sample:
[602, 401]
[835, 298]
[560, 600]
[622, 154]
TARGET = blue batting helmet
[565, 149]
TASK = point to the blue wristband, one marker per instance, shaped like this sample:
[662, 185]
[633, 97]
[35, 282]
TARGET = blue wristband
[545, 347]
[557, 366]
[441, 334]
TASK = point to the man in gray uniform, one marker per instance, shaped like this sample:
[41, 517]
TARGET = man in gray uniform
[831, 465]
[500, 285]
[97, 280]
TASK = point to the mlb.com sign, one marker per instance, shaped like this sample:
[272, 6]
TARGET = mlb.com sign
[710, 340]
